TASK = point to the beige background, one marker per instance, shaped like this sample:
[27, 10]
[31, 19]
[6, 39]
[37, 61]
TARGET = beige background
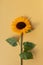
[10, 9]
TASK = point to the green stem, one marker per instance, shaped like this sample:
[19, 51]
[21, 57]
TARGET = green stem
[21, 47]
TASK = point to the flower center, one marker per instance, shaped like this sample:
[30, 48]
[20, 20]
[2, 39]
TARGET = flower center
[20, 25]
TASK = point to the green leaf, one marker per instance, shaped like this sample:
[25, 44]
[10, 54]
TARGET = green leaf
[26, 55]
[28, 31]
[28, 46]
[12, 41]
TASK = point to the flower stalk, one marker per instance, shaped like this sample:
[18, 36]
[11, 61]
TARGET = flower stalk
[21, 47]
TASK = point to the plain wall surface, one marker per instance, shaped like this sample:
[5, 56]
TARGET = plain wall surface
[9, 10]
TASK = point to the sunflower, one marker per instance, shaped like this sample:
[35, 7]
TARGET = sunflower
[21, 25]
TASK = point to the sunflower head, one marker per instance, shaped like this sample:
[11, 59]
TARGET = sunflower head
[21, 25]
